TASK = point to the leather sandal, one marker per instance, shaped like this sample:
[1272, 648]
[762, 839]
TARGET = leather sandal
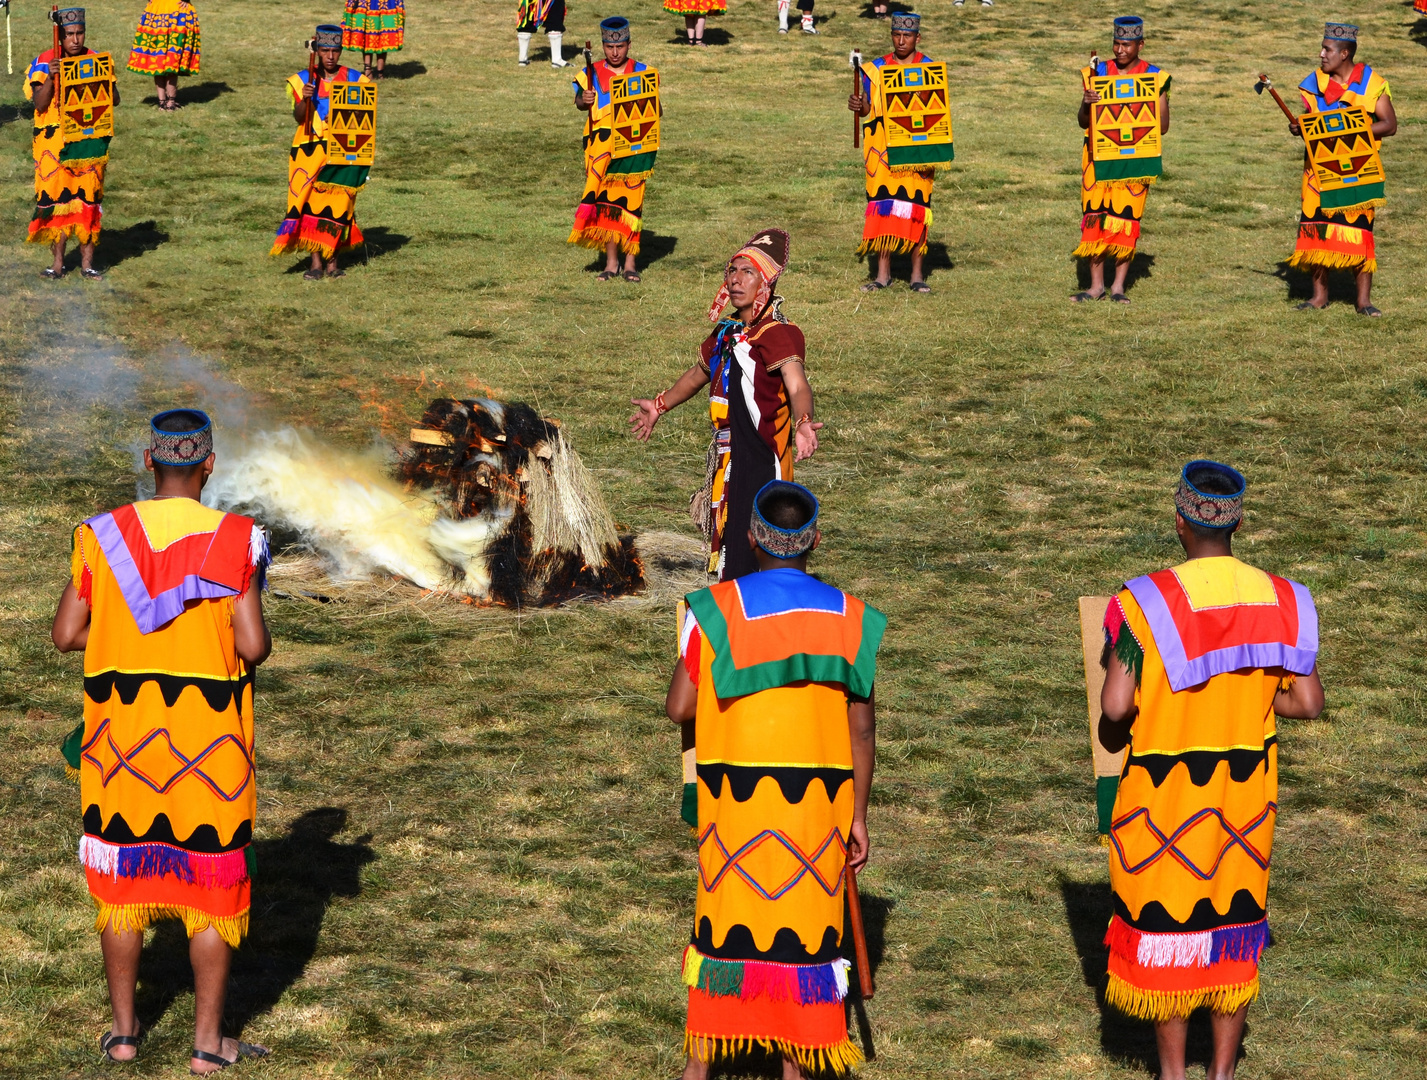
[1370, 311]
[245, 1050]
[1085, 297]
[109, 1040]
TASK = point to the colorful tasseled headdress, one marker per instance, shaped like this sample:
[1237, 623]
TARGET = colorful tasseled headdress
[769, 252]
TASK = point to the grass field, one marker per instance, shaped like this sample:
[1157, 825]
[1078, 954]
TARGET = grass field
[470, 861]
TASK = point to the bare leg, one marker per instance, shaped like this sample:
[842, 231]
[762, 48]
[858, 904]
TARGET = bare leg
[211, 957]
[699, 29]
[1228, 1034]
[689, 21]
[611, 257]
[86, 256]
[1122, 273]
[332, 269]
[57, 250]
[121, 971]
[316, 269]
[884, 266]
[1319, 299]
[161, 90]
[381, 64]
[1171, 1035]
[792, 1071]
[694, 1069]
[1364, 279]
[1097, 275]
[629, 264]
[917, 265]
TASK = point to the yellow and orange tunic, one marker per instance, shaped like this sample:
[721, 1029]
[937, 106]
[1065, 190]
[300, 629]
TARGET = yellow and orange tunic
[1212, 641]
[1337, 239]
[1110, 210]
[321, 198]
[776, 656]
[611, 207]
[69, 178]
[165, 758]
[899, 204]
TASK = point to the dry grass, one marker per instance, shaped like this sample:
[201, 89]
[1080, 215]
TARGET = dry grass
[470, 857]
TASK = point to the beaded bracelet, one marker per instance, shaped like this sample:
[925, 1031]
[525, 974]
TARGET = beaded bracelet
[804, 419]
[661, 405]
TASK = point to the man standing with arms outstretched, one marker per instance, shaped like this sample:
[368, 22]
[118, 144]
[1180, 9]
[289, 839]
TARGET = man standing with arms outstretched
[164, 601]
[1199, 660]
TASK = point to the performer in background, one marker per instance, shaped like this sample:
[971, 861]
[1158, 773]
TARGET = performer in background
[164, 601]
[899, 205]
[611, 211]
[753, 366]
[1341, 240]
[374, 28]
[696, 13]
[321, 217]
[777, 672]
[1199, 659]
[166, 45]
[69, 180]
[1111, 209]
[805, 7]
[530, 15]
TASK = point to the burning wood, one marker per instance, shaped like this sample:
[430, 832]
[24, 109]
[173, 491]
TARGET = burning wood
[505, 473]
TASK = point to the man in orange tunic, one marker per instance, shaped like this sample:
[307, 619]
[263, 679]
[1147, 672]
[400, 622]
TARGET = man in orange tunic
[777, 673]
[164, 601]
[1199, 659]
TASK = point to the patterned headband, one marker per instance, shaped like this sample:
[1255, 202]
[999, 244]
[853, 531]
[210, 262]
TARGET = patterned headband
[779, 542]
[1340, 32]
[181, 447]
[1212, 510]
[67, 17]
[906, 21]
[1129, 28]
[614, 30]
[327, 37]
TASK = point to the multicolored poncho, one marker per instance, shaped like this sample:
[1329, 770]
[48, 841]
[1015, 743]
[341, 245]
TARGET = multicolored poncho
[1211, 642]
[775, 656]
[165, 759]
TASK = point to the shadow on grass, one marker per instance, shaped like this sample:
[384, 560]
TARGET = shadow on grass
[379, 241]
[1141, 266]
[294, 881]
[407, 69]
[199, 94]
[893, 7]
[1342, 284]
[712, 36]
[936, 258]
[120, 245]
[653, 246]
[10, 114]
[1088, 908]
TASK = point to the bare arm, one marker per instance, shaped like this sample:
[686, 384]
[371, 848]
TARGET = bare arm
[862, 725]
[1117, 706]
[800, 398]
[45, 94]
[689, 383]
[683, 697]
[1301, 701]
[250, 632]
[70, 631]
[1163, 113]
[1088, 97]
[1386, 122]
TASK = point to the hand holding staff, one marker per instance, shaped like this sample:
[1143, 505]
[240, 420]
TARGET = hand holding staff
[1264, 84]
[855, 104]
[312, 82]
[859, 935]
[58, 52]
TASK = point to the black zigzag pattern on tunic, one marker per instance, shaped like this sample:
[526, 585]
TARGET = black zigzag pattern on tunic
[793, 780]
[1203, 763]
[787, 947]
[219, 693]
[204, 839]
[1155, 919]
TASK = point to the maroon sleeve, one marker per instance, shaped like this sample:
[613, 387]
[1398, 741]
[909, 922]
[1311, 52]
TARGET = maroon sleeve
[780, 344]
[706, 351]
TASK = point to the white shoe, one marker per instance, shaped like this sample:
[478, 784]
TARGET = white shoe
[810, 29]
[782, 29]
[958, 3]
[523, 63]
[559, 63]
[986, 3]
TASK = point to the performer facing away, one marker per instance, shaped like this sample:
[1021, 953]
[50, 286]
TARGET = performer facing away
[696, 13]
[166, 45]
[899, 205]
[777, 672]
[374, 28]
[69, 177]
[1342, 239]
[321, 213]
[1111, 209]
[164, 601]
[530, 15]
[611, 210]
[805, 7]
[753, 367]
[1199, 659]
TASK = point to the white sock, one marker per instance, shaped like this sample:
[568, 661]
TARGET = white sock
[524, 40]
[807, 20]
[557, 58]
[783, 13]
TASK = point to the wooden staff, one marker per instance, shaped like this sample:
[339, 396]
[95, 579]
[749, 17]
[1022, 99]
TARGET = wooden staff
[859, 935]
[1262, 85]
[312, 78]
[54, 18]
[856, 127]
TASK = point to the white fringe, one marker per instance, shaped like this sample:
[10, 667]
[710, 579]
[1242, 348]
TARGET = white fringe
[1175, 950]
[99, 856]
[840, 967]
[258, 546]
